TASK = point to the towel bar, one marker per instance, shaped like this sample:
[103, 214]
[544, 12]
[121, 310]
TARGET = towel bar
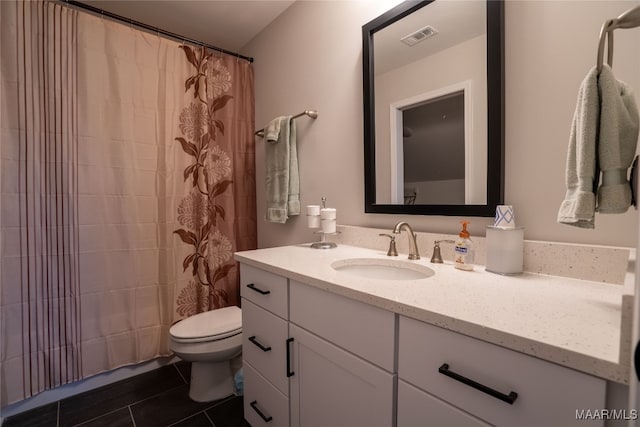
[311, 113]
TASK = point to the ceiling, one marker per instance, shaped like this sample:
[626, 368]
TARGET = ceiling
[455, 20]
[225, 24]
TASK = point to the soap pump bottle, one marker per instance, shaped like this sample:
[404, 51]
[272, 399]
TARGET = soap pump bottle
[464, 252]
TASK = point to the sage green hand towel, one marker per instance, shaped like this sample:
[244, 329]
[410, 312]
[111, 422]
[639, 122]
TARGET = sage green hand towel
[603, 137]
[579, 205]
[282, 180]
[617, 140]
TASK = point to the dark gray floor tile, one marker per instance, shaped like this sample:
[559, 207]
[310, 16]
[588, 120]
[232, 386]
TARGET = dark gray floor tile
[94, 403]
[229, 413]
[158, 398]
[119, 418]
[42, 416]
[185, 370]
[199, 420]
[167, 408]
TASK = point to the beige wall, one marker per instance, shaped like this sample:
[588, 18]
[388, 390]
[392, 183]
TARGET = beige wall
[311, 57]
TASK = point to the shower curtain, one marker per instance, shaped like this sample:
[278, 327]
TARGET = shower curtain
[127, 181]
[217, 216]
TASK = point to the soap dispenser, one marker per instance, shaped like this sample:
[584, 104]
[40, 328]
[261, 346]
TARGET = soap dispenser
[464, 253]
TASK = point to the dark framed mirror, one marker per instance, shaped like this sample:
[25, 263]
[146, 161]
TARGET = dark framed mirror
[433, 98]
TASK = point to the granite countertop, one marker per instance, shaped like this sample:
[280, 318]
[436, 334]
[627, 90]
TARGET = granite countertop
[571, 322]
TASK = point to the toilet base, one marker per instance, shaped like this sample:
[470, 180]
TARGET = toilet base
[210, 381]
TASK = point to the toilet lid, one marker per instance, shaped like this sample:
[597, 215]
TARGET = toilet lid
[214, 324]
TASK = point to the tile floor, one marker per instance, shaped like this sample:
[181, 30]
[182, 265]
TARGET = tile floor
[154, 399]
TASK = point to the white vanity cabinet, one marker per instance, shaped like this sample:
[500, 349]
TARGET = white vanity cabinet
[265, 330]
[342, 361]
[322, 360]
[493, 385]
[313, 358]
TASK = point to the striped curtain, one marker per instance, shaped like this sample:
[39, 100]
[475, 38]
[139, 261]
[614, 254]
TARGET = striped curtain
[41, 328]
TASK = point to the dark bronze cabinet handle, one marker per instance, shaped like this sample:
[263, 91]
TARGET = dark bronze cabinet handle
[290, 373]
[254, 405]
[260, 346]
[509, 398]
[258, 290]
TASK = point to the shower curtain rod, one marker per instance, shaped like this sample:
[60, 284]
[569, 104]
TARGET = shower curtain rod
[151, 28]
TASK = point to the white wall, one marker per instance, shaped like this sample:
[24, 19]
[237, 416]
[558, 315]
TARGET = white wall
[311, 57]
[444, 192]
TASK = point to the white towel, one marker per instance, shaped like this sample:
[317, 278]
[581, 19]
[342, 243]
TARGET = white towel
[603, 136]
[282, 180]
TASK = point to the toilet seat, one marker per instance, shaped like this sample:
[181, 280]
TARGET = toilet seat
[211, 325]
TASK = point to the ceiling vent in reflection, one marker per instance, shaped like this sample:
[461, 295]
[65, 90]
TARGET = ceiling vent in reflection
[420, 35]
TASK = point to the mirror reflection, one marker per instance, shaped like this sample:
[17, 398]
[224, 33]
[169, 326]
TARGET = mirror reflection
[427, 66]
[430, 166]
[429, 108]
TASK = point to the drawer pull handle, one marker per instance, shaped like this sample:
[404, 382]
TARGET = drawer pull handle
[290, 373]
[509, 398]
[260, 346]
[258, 290]
[254, 405]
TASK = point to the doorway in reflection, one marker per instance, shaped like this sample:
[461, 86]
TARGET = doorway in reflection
[433, 147]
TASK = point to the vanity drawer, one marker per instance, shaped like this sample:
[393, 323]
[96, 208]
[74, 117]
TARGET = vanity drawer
[266, 289]
[264, 405]
[362, 329]
[547, 394]
[264, 340]
[417, 408]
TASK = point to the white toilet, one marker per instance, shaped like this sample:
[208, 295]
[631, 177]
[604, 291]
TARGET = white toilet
[209, 341]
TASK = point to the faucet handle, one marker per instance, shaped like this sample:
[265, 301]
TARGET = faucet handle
[436, 258]
[392, 244]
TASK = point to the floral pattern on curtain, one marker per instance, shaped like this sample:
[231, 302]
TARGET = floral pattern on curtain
[220, 147]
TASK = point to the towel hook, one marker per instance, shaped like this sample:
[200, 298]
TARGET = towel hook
[629, 19]
[606, 33]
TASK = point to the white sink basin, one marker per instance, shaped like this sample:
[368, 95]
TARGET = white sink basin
[382, 269]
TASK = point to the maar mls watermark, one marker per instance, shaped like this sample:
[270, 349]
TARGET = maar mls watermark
[606, 414]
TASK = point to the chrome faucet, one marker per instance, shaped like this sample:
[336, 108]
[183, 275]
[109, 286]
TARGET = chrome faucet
[413, 247]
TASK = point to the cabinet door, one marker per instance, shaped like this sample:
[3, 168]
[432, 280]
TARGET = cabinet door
[417, 409]
[331, 387]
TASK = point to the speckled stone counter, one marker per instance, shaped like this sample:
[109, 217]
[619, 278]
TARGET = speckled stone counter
[571, 322]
